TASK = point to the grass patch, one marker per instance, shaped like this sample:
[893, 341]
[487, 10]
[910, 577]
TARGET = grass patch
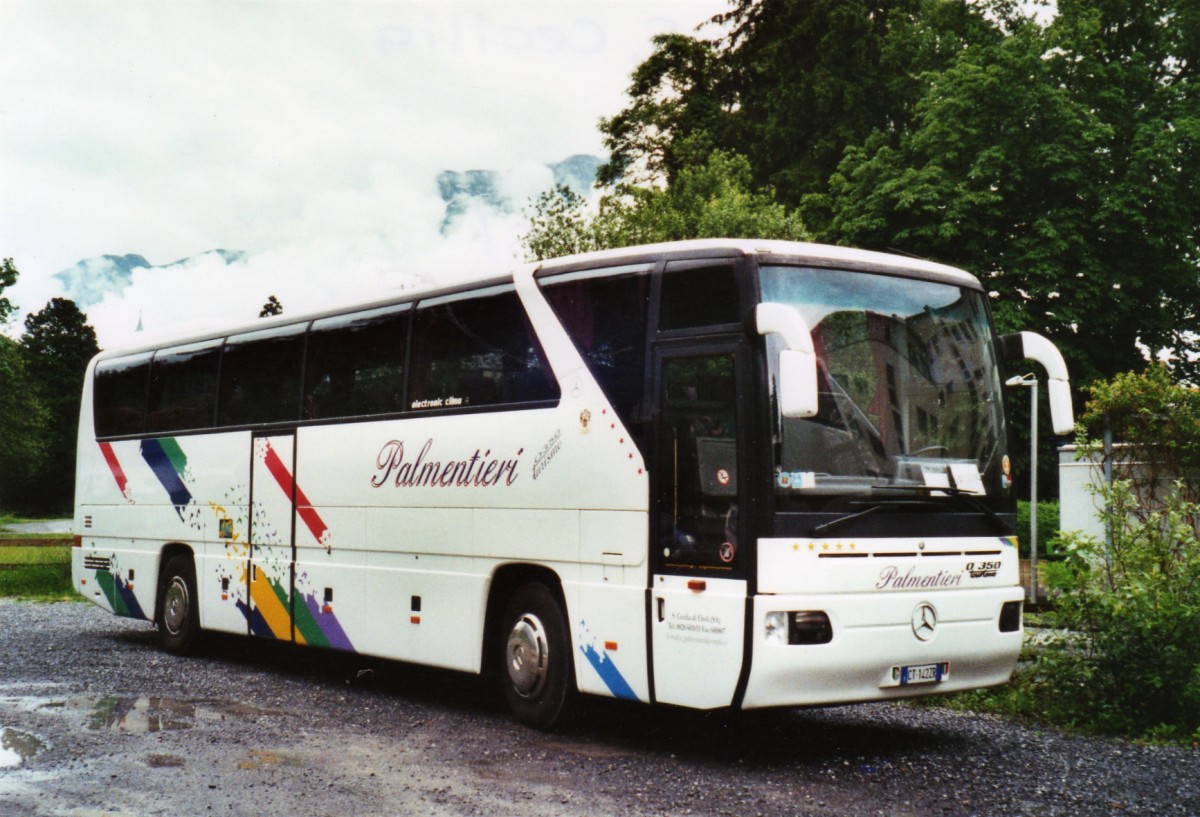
[42, 573]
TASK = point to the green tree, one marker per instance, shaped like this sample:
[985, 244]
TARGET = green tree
[1060, 164]
[23, 444]
[711, 198]
[1056, 159]
[271, 308]
[789, 84]
[559, 224]
[57, 345]
[8, 277]
[676, 93]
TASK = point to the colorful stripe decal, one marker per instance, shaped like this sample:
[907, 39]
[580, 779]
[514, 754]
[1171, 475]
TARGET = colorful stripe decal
[120, 595]
[167, 460]
[319, 628]
[609, 673]
[118, 472]
[270, 609]
[304, 509]
[269, 618]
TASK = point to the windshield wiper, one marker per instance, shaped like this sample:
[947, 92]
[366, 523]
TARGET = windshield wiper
[964, 498]
[821, 530]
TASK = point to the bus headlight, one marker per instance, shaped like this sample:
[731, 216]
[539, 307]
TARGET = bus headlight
[797, 627]
[776, 628]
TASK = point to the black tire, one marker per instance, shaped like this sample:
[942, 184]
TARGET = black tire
[177, 613]
[537, 672]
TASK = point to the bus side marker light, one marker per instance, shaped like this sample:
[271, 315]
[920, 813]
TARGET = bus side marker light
[414, 619]
[610, 646]
[697, 585]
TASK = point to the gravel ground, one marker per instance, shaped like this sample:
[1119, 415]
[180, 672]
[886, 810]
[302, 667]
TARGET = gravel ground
[95, 720]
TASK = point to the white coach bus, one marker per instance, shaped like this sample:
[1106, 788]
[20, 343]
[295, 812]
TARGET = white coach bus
[712, 474]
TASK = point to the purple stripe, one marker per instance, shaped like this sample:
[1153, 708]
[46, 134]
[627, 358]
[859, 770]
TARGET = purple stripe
[329, 625]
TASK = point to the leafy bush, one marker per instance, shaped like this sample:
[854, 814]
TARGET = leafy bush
[1119, 649]
[1047, 529]
[1128, 657]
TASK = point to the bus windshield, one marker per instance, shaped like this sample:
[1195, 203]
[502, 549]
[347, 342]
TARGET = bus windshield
[909, 388]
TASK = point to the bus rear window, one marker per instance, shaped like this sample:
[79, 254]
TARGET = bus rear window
[119, 401]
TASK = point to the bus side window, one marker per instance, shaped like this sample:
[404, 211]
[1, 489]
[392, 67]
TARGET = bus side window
[119, 400]
[260, 376]
[604, 312]
[183, 387]
[477, 350]
[697, 296]
[356, 364]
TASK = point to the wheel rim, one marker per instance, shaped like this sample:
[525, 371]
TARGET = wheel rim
[528, 656]
[175, 606]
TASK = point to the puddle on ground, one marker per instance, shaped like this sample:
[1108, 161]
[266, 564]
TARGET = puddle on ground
[258, 759]
[140, 715]
[148, 714]
[16, 747]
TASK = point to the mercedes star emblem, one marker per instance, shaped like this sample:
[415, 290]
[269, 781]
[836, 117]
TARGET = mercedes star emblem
[924, 621]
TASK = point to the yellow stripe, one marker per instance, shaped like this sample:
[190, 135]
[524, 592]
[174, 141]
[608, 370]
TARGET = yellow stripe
[272, 610]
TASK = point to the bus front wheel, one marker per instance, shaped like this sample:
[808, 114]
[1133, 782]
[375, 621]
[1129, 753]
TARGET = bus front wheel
[537, 672]
[178, 615]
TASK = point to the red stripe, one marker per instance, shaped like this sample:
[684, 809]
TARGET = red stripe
[114, 465]
[308, 514]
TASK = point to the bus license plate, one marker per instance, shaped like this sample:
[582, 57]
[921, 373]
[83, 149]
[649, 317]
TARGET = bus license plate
[921, 674]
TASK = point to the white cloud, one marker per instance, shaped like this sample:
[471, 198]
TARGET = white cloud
[308, 135]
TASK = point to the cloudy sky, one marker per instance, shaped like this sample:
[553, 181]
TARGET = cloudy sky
[308, 135]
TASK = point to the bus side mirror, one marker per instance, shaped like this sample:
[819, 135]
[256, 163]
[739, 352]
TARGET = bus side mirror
[797, 386]
[1032, 346]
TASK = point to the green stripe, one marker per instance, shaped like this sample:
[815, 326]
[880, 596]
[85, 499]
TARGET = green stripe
[308, 626]
[174, 453]
[109, 586]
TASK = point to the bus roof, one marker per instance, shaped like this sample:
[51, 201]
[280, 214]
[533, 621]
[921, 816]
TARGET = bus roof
[768, 251]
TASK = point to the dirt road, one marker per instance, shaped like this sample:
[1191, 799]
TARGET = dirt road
[95, 720]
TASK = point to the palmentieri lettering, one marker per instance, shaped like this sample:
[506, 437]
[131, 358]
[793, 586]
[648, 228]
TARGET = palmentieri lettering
[892, 579]
[480, 470]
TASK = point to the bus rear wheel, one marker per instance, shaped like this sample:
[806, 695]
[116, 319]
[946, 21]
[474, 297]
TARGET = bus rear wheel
[537, 672]
[178, 616]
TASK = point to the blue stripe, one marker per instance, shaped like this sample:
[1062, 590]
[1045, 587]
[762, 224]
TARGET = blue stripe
[609, 674]
[131, 602]
[160, 464]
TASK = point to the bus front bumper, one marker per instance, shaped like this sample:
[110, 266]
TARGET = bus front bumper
[884, 647]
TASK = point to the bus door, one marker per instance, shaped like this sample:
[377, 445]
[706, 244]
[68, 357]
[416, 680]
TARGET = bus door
[272, 534]
[698, 585]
